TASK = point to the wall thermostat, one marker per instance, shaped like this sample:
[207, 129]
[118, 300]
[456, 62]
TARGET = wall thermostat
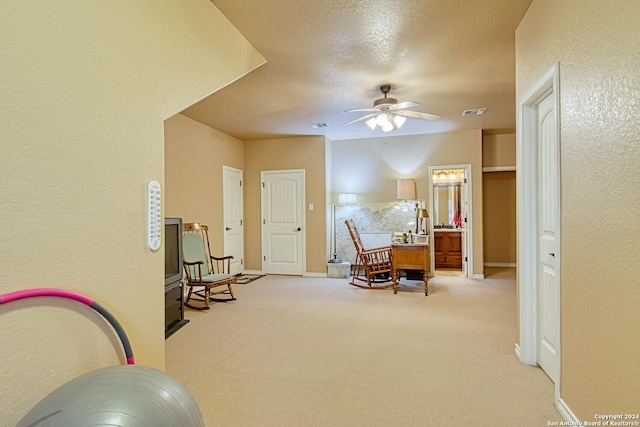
[154, 215]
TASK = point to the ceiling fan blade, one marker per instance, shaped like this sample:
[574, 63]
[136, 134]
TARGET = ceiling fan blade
[405, 104]
[359, 119]
[418, 115]
[362, 110]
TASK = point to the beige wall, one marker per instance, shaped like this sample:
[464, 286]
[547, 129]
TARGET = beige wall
[499, 225]
[597, 46]
[194, 157]
[370, 167]
[306, 153]
[499, 195]
[498, 150]
[85, 93]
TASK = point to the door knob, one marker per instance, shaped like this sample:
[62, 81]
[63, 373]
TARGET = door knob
[553, 255]
[227, 228]
[297, 229]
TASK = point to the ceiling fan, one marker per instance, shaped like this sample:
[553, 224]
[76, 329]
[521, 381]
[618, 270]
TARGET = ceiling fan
[388, 113]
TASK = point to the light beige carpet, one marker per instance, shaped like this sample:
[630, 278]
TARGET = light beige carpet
[318, 352]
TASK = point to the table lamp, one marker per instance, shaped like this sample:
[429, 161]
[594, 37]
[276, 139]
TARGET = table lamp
[421, 215]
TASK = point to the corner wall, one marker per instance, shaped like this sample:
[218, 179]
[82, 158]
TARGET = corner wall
[499, 198]
[306, 153]
[194, 157]
[85, 89]
[597, 47]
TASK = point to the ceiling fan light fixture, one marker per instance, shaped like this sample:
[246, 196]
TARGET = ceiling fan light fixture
[389, 126]
[399, 121]
[388, 113]
[382, 119]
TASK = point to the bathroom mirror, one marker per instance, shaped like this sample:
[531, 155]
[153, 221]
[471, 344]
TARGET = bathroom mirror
[446, 203]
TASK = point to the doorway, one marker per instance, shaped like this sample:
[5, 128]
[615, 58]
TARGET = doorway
[538, 183]
[451, 225]
[233, 217]
[283, 222]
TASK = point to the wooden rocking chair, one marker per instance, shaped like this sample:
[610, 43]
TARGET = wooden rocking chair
[373, 266]
[204, 272]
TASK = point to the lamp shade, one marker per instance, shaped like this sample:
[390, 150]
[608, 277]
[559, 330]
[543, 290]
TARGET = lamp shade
[422, 213]
[406, 189]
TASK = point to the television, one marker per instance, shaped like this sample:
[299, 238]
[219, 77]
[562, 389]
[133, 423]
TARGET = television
[172, 251]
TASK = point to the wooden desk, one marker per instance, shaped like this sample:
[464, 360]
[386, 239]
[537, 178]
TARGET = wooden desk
[410, 256]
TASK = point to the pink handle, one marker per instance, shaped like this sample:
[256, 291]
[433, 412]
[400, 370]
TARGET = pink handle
[61, 293]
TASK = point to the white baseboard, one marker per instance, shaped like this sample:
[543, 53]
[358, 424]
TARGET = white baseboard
[500, 264]
[313, 274]
[561, 405]
[517, 351]
[307, 274]
[566, 412]
[477, 276]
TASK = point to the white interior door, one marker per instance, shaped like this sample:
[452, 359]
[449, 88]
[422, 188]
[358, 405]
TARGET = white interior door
[548, 218]
[233, 217]
[283, 208]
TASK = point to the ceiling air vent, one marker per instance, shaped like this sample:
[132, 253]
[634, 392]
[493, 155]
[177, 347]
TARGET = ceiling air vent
[319, 125]
[475, 112]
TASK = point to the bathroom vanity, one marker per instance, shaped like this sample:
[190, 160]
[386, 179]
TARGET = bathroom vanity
[448, 248]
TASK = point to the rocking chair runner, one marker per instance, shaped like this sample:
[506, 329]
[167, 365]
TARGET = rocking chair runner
[204, 270]
[373, 266]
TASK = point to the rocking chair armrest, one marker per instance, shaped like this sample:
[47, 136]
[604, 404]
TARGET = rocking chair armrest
[219, 265]
[189, 270]
[376, 250]
[377, 258]
[222, 258]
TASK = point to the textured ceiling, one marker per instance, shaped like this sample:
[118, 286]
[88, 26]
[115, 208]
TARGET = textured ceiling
[325, 57]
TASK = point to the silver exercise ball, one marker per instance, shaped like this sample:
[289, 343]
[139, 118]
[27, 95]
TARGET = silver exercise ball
[123, 396]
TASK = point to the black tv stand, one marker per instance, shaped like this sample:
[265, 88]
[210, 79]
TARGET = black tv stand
[173, 309]
[175, 328]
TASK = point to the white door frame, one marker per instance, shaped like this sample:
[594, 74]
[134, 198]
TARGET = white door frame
[468, 269]
[527, 214]
[225, 220]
